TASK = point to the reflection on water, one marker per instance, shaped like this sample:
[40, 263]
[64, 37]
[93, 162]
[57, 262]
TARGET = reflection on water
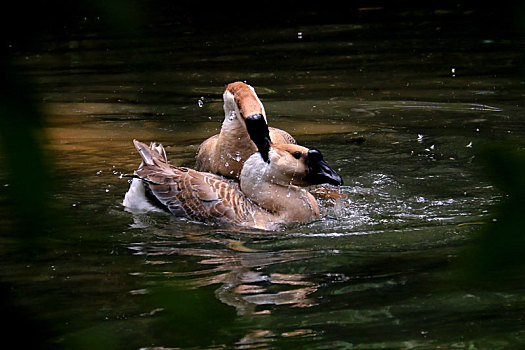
[240, 277]
[401, 112]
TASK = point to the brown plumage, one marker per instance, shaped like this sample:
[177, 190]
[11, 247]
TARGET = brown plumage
[186, 192]
[226, 152]
[269, 194]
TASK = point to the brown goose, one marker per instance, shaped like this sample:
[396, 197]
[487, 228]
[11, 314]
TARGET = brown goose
[270, 192]
[226, 152]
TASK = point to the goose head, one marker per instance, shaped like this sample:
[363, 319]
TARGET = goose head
[241, 104]
[287, 165]
[300, 166]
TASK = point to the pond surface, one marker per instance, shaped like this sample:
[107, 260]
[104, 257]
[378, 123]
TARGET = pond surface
[401, 108]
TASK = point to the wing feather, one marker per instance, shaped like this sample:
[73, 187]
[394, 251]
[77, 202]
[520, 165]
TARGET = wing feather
[281, 136]
[197, 195]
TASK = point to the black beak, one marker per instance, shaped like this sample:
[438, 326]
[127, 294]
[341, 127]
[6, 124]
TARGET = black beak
[259, 133]
[319, 171]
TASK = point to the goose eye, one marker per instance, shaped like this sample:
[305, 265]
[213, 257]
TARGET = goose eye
[296, 155]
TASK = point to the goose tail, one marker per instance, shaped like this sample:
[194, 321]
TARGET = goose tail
[136, 197]
[152, 154]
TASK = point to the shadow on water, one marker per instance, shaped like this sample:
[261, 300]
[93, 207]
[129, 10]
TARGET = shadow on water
[211, 288]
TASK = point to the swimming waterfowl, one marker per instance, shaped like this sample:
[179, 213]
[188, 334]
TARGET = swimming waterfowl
[270, 192]
[226, 152]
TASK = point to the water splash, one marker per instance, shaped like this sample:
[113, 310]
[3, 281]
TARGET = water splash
[377, 202]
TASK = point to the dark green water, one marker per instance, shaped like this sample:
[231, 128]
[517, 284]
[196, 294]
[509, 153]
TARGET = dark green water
[404, 109]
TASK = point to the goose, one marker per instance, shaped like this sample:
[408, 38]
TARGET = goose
[271, 191]
[226, 152]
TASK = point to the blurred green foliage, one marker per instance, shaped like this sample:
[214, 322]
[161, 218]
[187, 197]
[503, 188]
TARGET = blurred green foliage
[495, 257]
[190, 317]
[26, 166]
[31, 217]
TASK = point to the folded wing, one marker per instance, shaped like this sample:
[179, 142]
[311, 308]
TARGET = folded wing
[186, 192]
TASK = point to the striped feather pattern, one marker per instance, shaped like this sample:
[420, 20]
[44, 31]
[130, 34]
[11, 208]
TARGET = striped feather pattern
[197, 195]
